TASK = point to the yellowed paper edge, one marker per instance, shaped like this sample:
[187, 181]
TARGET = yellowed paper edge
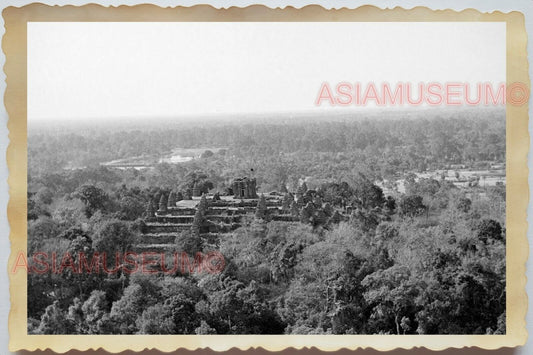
[14, 47]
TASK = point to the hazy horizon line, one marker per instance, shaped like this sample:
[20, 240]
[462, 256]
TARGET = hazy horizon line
[228, 117]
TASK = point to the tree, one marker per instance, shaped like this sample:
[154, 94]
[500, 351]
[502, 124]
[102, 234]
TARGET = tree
[320, 218]
[349, 315]
[44, 196]
[203, 205]
[95, 312]
[36, 209]
[205, 185]
[76, 317]
[207, 154]
[150, 210]
[240, 309]
[171, 199]
[366, 193]
[336, 193]
[93, 198]
[335, 218]
[54, 321]
[197, 181]
[284, 259]
[305, 215]
[392, 295]
[188, 242]
[489, 229]
[464, 204]
[387, 231]
[43, 228]
[317, 202]
[302, 189]
[163, 202]
[197, 223]
[80, 246]
[412, 206]
[156, 319]
[390, 205]
[111, 237]
[295, 211]
[310, 299]
[311, 211]
[424, 187]
[328, 210]
[288, 199]
[366, 220]
[138, 296]
[70, 212]
[308, 196]
[261, 211]
[182, 311]
[204, 329]
[131, 208]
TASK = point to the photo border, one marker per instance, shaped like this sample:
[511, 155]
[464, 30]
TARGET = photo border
[14, 45]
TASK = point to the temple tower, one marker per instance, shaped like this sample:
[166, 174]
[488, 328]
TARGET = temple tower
[244, 188]
[196, 192]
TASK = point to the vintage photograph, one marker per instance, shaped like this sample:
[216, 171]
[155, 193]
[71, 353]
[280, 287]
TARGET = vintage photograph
[266, 178]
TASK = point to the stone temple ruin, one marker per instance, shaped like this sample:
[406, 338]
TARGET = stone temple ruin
[225, 213]
[244, 188]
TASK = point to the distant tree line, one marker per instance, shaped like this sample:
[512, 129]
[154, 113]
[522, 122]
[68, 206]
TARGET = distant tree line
[381, 147]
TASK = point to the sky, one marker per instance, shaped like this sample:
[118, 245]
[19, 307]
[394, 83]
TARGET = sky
[103, 70]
